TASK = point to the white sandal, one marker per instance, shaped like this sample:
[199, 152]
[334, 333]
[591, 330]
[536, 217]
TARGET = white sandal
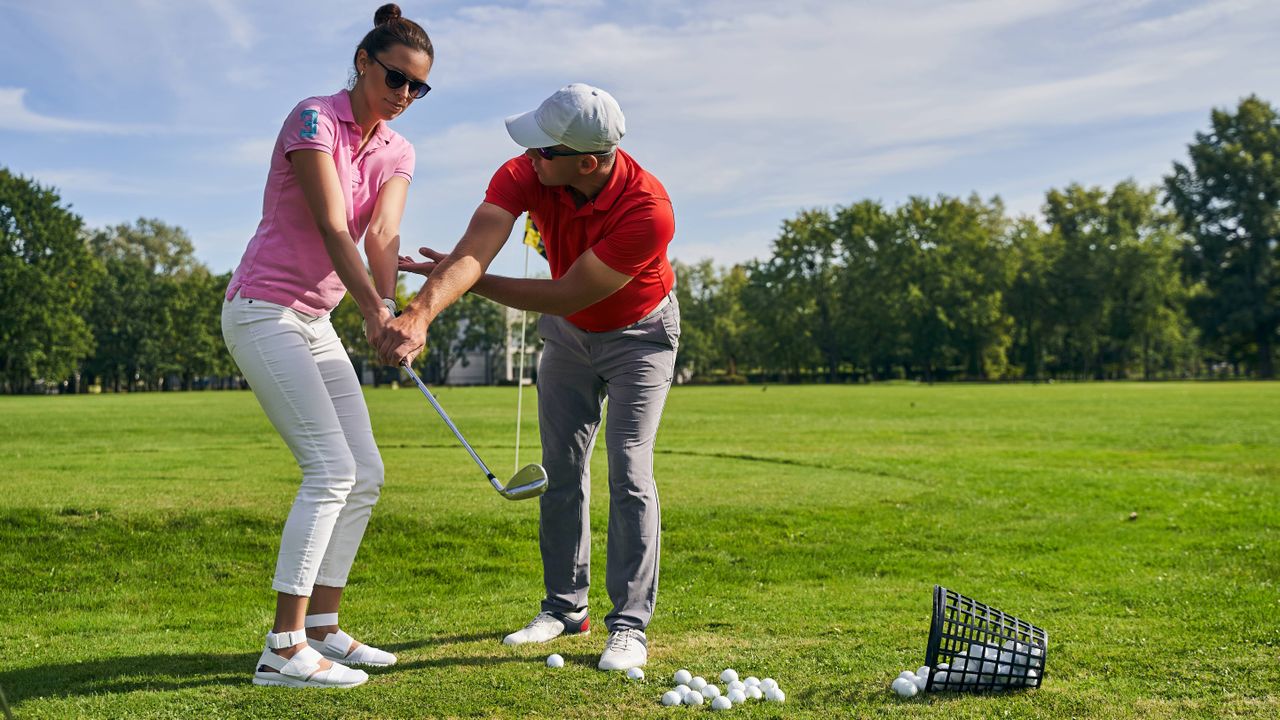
[303, 669]
[336, 646]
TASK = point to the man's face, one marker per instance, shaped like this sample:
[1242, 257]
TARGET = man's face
[557, 170]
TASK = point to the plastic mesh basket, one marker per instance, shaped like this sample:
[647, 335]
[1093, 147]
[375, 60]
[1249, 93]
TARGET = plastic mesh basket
[983, 648]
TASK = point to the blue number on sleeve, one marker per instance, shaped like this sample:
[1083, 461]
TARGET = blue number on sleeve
[309, 128]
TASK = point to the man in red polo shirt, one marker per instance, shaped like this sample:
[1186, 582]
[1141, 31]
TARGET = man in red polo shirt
[610, 327]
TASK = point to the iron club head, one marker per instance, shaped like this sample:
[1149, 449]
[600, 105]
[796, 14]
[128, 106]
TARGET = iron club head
[530, 482]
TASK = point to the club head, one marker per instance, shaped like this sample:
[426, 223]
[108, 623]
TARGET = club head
[530, 482]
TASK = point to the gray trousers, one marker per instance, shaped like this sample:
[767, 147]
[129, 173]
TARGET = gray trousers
[632, 367]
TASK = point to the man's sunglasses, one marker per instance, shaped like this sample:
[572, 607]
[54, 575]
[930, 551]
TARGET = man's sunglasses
[547, 153]
[397, 79]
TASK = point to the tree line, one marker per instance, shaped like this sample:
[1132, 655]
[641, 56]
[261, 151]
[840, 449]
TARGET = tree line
[1173, 281]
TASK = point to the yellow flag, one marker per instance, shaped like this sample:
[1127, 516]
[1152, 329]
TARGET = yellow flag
[532, 237]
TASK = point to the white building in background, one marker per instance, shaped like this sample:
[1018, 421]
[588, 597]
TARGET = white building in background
[504, 367]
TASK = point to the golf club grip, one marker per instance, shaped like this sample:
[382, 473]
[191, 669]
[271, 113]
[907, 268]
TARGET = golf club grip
[445, 416]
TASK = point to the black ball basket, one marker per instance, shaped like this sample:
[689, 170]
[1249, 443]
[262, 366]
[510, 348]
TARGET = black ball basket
[983, 649]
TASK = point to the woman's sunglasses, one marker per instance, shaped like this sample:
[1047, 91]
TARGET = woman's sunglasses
[397, 79]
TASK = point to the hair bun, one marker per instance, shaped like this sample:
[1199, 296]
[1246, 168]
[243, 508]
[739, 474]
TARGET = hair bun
[386, 14]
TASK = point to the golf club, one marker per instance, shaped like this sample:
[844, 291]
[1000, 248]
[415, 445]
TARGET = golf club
[530, 481]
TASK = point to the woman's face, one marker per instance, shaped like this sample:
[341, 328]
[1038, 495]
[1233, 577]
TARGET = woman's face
[384, 101]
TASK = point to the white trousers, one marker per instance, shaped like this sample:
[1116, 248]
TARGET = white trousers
[305, 382]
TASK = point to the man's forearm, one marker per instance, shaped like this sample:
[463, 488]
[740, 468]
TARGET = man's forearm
[536, 294]
[447, 283]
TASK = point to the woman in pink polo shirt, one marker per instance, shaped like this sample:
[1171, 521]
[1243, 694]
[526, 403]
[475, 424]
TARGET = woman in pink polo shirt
[337, 173]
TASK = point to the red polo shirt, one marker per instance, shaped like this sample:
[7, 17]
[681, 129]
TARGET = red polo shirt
[628, 225]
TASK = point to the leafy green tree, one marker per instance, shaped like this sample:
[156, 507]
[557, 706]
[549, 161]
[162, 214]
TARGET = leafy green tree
[1032, 301]
[143, 333]
[472, 324]
[956, 276]
[794, 296]
[1228, 197]
[47, 276]
[872, 287]
[713, 321]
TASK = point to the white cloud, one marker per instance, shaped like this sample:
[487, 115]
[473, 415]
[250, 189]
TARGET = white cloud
[16, 116]
[747, 110]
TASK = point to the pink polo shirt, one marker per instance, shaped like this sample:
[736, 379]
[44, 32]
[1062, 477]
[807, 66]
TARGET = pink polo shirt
[286, 262]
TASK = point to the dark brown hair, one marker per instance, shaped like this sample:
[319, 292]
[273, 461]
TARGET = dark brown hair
[390, 28]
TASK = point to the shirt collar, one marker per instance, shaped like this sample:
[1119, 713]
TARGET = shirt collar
[612, 190]
[617, 181]
[342, 107]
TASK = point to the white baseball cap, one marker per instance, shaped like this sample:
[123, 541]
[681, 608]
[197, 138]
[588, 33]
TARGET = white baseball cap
[579, 116]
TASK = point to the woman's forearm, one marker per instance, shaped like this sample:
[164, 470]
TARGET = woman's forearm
[383, 254]
[346, 260]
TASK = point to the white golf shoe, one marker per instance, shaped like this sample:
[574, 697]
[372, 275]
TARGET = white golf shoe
[338, 646]
[625, 649]
[549, 624]
[303, 669]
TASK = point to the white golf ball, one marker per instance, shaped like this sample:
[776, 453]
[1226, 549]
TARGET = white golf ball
[555, 661]
[1032, 676]
[767, 683]
[721, 703]
[751, 680]
[711, 691]
[921, 681]
[944, 666]
[775, 694]
[693, 697]
[697, 683]
[737, 696]
[635, 673]
[940, 678]
[754, 692]
[905, 688]
[959, 664]
[671, 697]
[729, 675]
[735, 685]
[1003, 673]
[907, 675]
[682, 689]
[682, 677]
[977, 651]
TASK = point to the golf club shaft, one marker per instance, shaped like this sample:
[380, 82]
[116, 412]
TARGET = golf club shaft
[456, 433]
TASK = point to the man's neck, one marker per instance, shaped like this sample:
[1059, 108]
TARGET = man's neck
[589, 186]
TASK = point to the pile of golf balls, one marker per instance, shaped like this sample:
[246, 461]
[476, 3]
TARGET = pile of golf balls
[693, 689]
[1010, 665]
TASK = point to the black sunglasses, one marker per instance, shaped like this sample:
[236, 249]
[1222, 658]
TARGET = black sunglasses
[547, 153]
[397, 79]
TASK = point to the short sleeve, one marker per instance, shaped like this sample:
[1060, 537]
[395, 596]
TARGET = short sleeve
[404, 168]
[311, 126]
[513, 186]
[639, 237]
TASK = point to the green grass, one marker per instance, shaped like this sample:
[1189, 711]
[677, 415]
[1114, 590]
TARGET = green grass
[804, 528]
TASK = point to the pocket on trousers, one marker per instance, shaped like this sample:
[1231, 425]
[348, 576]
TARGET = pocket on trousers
[671, 323]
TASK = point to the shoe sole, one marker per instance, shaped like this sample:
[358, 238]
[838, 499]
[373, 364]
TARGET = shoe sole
[628, 667]
[278, 680]
[353, 663]
[534, 642]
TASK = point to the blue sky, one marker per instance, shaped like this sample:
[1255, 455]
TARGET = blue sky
[747, 111]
